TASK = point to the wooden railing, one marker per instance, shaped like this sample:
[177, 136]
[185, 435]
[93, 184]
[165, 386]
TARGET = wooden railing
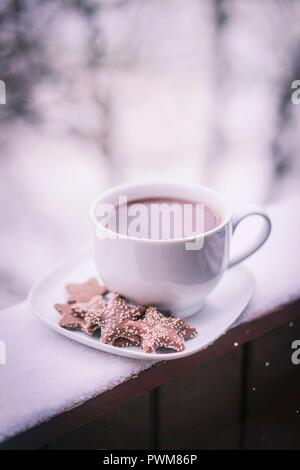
[243, 392]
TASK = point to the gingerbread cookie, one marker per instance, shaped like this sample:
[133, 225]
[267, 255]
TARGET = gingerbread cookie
[111, 317]
[82, 309]
[184, 329]
[85, 291]
[124, 343]
[70, 322]
[157, 331]
[187, 331]
[63, 308]
[117, 313]
[122, 324]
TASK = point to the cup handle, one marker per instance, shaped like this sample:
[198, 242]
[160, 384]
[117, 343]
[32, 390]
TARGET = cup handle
[260, 239]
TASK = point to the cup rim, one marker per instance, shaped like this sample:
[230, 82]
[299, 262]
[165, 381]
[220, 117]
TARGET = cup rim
[148, 185]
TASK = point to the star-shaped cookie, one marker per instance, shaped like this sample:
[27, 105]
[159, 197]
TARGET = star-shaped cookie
[184, 329]
[124, 343]
[92, 307]
[117, 313]
[122, 324]
[157, 331]
[70, 322]
[85, 291]
[187, 331]
[110, 316]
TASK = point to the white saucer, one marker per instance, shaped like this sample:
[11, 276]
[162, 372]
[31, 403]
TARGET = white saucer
[223, 306]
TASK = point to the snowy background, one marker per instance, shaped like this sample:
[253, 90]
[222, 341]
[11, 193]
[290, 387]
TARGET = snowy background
[101, 92]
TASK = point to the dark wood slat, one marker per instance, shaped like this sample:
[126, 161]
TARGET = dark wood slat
[148, 380]
[201, 410]
[128, 427]
[273, 392]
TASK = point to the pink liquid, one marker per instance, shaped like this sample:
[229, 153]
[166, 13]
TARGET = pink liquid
[164, 218]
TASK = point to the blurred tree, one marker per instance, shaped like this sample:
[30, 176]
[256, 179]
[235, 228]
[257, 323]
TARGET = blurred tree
[24, 60]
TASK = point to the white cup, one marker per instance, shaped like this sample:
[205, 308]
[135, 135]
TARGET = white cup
[164, 272]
